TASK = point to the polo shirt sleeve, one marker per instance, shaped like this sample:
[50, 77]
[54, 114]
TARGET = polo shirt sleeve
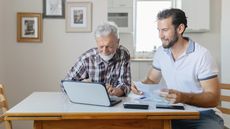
[207, 67]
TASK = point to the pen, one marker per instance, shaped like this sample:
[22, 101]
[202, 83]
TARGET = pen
[143, 97]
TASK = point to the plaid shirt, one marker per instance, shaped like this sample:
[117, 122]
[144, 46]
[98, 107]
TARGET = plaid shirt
[91, 66]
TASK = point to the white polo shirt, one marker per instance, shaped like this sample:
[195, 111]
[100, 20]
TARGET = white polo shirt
[185, 73]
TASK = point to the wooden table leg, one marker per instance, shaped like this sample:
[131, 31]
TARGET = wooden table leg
[37, 124]
[167, 124]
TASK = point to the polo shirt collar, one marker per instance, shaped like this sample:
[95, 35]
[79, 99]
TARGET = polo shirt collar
[190, 49]
[191, 46]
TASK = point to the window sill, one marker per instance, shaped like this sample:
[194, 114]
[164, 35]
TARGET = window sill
[134, 59]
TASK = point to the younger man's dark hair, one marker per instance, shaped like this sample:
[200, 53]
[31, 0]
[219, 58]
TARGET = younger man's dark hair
[178, 16]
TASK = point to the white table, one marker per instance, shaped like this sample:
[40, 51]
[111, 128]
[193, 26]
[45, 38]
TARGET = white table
[52, 110]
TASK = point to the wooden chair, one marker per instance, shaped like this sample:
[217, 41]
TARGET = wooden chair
[4, 108]
[224, 98]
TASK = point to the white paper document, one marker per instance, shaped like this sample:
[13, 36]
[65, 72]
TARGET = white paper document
[151, 92]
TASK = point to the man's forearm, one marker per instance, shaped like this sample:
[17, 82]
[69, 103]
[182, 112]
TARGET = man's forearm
[148, 81]
[207, 99]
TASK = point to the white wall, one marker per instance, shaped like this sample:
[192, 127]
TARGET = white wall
[1, 42]
[1, 52]
[33, 67]
[225, 39]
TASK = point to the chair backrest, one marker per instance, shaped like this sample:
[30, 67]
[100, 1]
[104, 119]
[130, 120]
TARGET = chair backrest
[224, 98]
[4, 107]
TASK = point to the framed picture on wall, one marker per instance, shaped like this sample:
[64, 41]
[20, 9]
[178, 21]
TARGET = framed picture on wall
[29, 27]
[54, 8]
[78, 17]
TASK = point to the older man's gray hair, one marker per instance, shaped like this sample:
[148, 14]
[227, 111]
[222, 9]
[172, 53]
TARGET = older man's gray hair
[107, 28]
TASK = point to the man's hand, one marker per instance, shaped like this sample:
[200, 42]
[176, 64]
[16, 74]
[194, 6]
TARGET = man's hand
[114, 91]
[173, 96]
[86, 80]
[135, 90]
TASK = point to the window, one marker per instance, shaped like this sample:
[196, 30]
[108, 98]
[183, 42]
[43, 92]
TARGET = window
[147, 39]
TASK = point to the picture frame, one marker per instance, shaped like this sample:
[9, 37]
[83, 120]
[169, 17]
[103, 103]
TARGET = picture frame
[78, 16]
[29, 27]
[53, 8]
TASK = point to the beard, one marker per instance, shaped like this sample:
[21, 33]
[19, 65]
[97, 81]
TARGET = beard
[106, 57]
[171, 42]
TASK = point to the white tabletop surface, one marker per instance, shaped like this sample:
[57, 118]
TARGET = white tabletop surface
[57, 102]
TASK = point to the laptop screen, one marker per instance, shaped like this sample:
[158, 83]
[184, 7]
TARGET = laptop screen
[88, 93]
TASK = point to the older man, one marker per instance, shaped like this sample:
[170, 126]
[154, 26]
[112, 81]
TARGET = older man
[108, 63]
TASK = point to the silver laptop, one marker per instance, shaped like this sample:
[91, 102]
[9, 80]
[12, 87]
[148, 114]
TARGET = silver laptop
[88, 93]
